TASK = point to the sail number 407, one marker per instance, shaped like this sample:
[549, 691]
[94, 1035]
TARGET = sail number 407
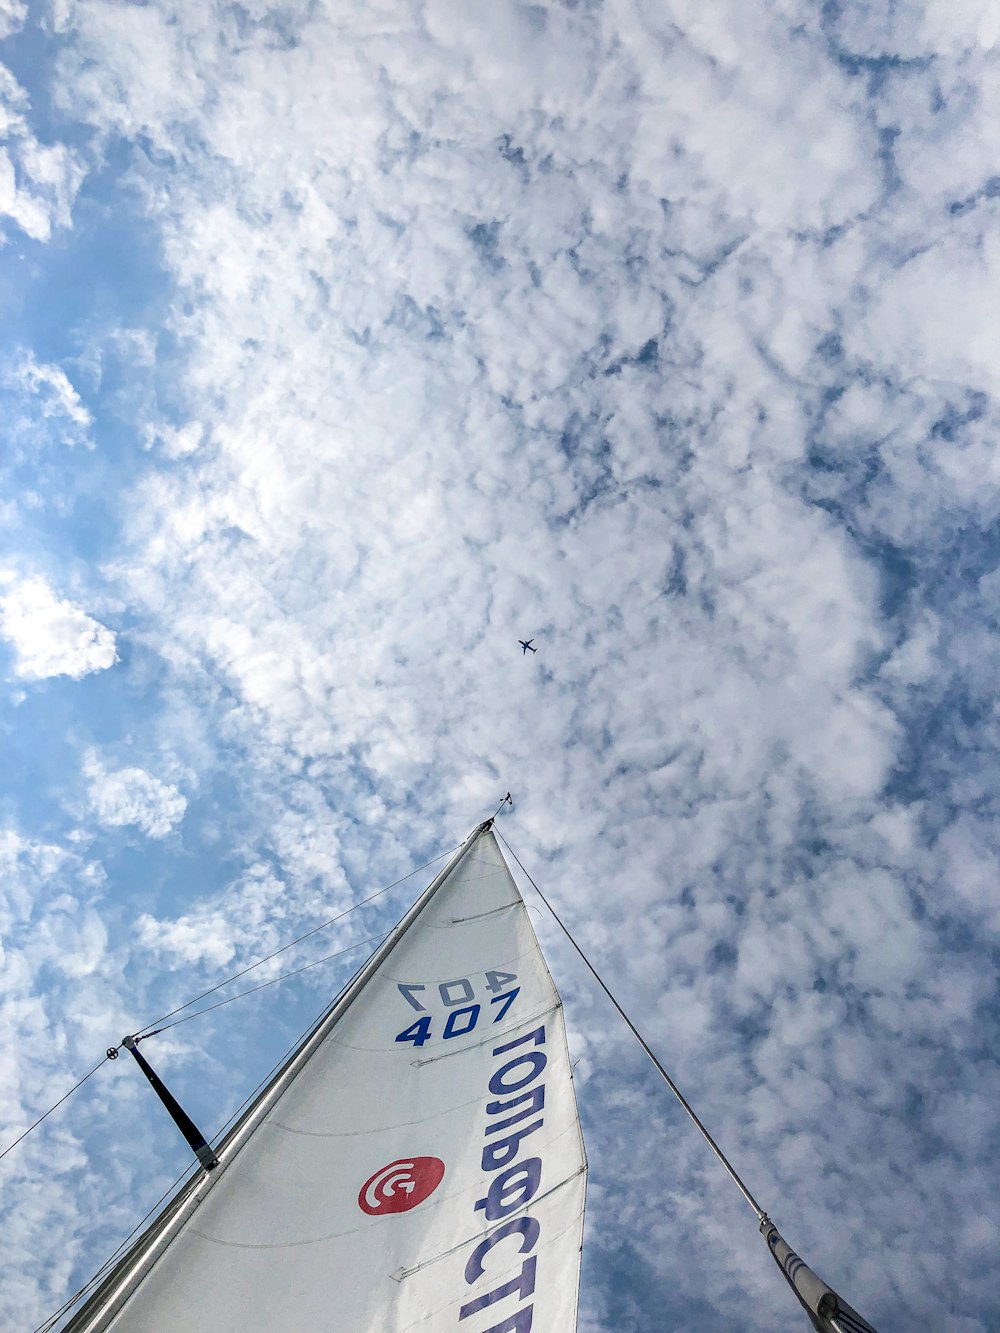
[456, 996]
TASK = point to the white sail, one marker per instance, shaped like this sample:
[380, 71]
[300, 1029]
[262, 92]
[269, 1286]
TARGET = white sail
[418, 1166]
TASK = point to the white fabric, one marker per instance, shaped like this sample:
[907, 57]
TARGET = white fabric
[281, 1241]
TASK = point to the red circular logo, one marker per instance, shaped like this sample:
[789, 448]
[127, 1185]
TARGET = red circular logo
[401, 1185]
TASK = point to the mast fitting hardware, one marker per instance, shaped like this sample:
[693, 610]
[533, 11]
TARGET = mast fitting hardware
[196, 1140]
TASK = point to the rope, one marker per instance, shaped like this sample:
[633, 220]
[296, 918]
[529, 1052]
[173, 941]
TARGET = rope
[642, 1041]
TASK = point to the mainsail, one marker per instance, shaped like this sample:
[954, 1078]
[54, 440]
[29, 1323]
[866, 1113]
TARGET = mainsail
[417, 1165]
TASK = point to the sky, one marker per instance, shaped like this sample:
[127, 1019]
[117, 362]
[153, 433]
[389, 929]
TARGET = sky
[341, 346]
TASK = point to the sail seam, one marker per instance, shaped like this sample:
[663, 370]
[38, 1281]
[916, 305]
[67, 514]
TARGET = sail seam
[503, 964]
[379, 1129]
[479, 916]
[518, 1212]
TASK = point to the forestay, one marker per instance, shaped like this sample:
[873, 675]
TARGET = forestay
[423, 1170]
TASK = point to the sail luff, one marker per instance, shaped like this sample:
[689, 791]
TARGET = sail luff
[109, 1298]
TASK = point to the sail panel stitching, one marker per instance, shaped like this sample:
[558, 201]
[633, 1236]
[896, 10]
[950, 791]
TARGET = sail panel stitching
[378, 1129]
[478, 916]
[517, 1212]
[502, 965]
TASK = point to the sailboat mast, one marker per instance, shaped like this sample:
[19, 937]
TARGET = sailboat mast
[122, 1281]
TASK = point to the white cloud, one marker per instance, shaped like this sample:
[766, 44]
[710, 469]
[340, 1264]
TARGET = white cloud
[248, 916]
[607, 326]
[133, 796]
[54, 389]
[12, 16]
[174, 441]
[959, 25]
[50, 636]
[936, 315]
[59, 1000]
[38, 181]
[57, 399]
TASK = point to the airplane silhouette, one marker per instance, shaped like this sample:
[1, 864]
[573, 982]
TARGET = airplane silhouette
[526, 646]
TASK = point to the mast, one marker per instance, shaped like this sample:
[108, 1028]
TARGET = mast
[417, 1160]
[284, 1237]
[129, 1272]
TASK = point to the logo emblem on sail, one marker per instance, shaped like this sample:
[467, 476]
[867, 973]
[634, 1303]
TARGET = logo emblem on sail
[400, 1186]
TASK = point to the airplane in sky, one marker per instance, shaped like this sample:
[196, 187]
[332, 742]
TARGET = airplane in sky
[526, 646]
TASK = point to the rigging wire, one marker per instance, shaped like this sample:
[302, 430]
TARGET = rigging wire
[173, 1189]
[116, 1253]
[372, 939]
[291, 944]
[294, 1046]
[642, 1041]
[142, 1032]
[54, 1107]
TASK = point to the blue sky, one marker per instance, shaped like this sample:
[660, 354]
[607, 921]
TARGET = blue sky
[344, 345]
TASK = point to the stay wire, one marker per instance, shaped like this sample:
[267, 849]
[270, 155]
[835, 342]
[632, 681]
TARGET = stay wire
[291, 944]
[236, 975]
[372, 939]
[641, 1040]
[295, 1044]
[117, 1252]
[54, 1107]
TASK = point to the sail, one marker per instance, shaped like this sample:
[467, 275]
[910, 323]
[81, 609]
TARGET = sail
[417, 1166]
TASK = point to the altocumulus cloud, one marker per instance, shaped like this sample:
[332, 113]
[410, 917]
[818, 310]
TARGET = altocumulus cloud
[55, 394]
[51, 927]
[132, 796]
[661, 332]
[49, 634]
[38, 181]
